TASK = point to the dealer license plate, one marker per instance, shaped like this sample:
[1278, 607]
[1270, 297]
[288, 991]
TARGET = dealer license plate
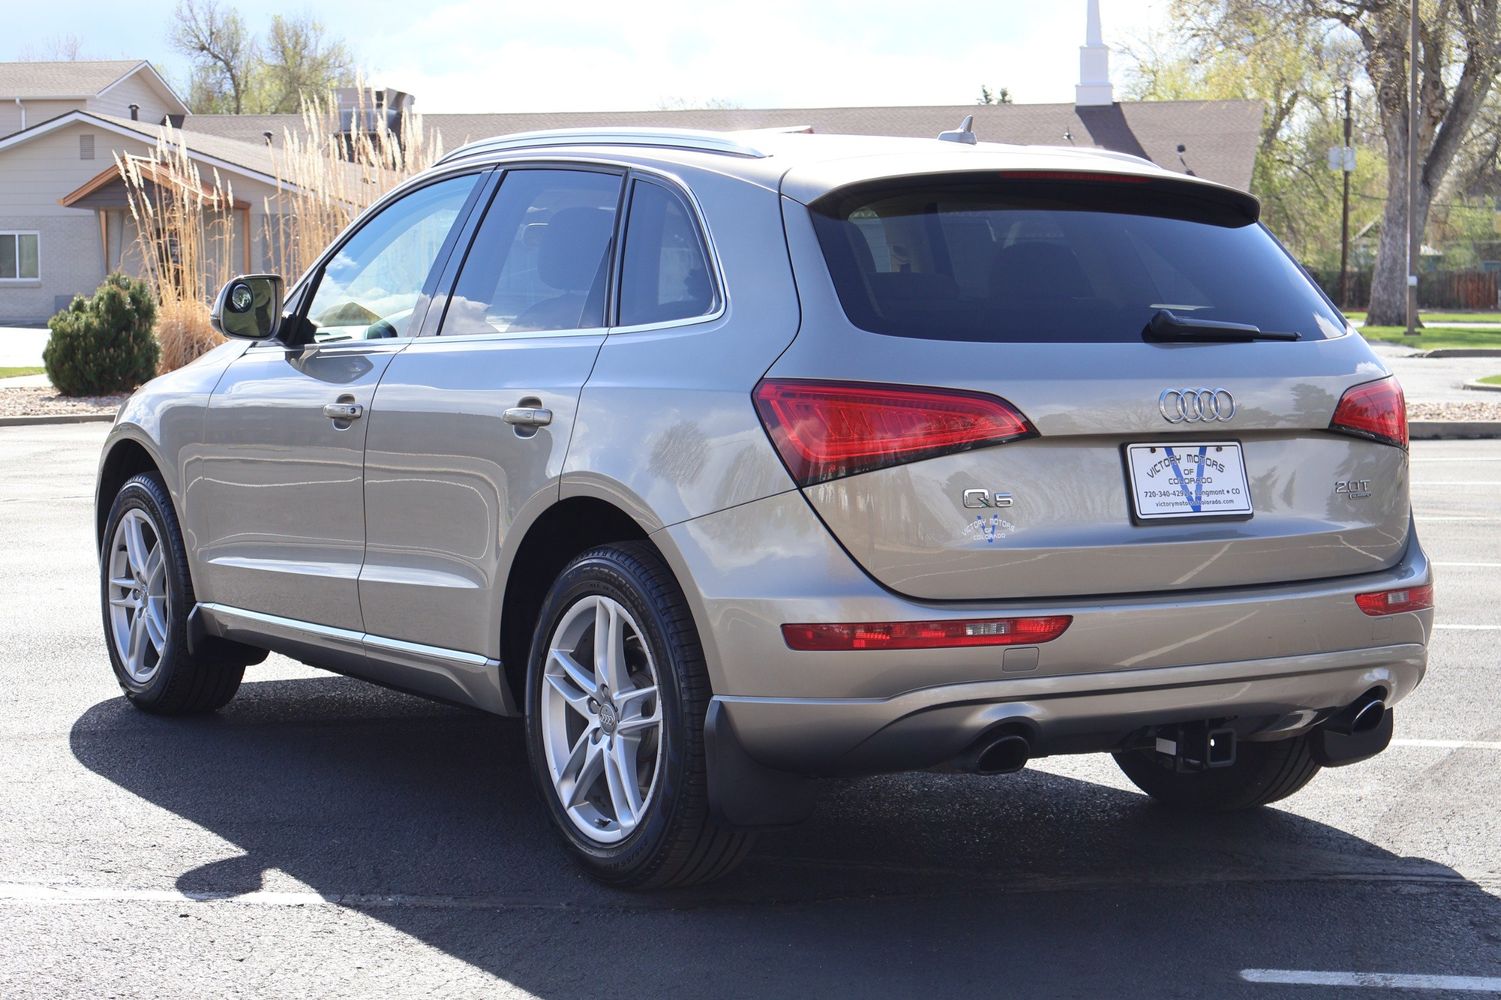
[1188, 480]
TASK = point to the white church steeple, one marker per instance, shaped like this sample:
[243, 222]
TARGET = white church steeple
[1094, 88]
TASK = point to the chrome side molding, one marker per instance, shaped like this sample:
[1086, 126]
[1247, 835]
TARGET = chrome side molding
[449, 674]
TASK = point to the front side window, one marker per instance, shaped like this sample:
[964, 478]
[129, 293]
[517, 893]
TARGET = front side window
[664, 272]
[540, 259]
[20, 257]
[1020, 259]
[371, 288]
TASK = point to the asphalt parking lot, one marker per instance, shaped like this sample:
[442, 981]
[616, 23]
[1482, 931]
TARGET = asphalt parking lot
[322, 837]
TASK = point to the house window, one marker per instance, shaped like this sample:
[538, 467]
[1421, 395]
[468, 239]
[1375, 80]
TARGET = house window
[20, 257]
[86, 146]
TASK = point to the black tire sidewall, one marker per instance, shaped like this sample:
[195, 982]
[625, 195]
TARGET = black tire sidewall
[605, 573]
[147, 493]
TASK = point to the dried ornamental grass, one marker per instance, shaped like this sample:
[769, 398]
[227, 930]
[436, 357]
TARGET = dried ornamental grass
[185, 235]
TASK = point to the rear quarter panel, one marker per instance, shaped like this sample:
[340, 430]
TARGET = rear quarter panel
[666, 429]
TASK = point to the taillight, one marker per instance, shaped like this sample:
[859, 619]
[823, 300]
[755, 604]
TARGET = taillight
[824, 430]
[1374, 410]
[1394, 602]
[927, 635]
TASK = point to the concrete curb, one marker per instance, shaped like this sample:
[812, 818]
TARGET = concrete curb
[1482, 387]
[1451, 430]
[1461, 352]
[57, 418]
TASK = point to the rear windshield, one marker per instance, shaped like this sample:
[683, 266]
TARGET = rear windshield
[1042, 260]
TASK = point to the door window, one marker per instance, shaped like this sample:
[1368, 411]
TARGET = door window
[664, 273]
[541, 258]
[372, 286]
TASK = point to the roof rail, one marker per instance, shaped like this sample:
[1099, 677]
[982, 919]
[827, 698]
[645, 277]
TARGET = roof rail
[663, 138]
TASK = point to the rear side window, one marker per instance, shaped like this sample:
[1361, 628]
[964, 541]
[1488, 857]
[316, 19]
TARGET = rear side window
[540, 260]
[1014, 260]
[664, 272]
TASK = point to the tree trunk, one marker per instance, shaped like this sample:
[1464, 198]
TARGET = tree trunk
[1388, 306]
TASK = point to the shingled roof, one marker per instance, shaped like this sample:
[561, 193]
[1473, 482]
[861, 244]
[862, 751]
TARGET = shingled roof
[38, 81]
[1220, 138]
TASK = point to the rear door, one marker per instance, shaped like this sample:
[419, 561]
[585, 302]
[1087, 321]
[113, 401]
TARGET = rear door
[284, 435]
[470, 426]
[1138, 465]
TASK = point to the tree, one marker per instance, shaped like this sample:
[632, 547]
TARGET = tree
[1295, 68]
[234, 71]
[300, 62]
[988, 96]
[1459, 55]
[224, 54]
[60, 48]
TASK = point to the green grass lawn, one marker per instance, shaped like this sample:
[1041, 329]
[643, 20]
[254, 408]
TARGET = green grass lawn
[1441, 317]
[1434, 337]
[1491, 380]
[13, 372]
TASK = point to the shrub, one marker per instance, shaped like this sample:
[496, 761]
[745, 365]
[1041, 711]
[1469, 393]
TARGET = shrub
[104, 344]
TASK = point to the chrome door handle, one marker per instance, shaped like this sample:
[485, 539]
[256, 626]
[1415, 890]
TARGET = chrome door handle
[528, 416]
[343, 411]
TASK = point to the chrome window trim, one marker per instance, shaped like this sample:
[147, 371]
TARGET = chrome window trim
[672, 181]
[488, 338]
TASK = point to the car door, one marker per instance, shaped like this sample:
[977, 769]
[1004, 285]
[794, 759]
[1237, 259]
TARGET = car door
[284, 433]
[470, 426]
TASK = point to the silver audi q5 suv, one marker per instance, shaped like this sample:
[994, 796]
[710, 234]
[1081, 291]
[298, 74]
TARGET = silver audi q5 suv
[733, 460]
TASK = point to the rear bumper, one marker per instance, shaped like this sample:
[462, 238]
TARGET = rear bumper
[1272, 657]
[1076, 714]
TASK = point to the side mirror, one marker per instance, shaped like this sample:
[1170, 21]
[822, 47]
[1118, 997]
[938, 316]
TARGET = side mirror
[249, 307]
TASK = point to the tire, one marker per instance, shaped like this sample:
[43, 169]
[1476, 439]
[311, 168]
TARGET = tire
[146, 599]
[665, 835]
[1262, 773]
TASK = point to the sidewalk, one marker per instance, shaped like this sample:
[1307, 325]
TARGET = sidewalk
[21, 347]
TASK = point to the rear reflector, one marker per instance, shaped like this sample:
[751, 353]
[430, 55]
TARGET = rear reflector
[927, 635]
[1374, 410]
[824, 430]
[1394, 602]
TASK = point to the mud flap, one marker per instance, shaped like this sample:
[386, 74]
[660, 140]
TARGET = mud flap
[744, 792]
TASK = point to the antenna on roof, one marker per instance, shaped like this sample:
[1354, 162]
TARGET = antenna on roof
[965, 133]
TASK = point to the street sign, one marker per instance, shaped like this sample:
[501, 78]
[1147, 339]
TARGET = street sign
[1342, 158]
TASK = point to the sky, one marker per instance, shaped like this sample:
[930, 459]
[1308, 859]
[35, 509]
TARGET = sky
[582, 55]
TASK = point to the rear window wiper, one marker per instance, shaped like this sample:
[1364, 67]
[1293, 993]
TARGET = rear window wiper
[1166, 327]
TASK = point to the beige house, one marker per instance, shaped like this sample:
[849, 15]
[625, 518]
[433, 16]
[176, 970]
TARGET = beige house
[64, 218]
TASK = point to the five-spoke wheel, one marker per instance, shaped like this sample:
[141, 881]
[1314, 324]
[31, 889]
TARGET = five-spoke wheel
[616, 696]
[146, 595]
[137, 594]
[601, 718]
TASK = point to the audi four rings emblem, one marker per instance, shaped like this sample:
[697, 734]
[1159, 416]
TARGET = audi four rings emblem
[1193, 406]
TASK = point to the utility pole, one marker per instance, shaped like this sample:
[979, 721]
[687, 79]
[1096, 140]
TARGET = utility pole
[1414, 232]
[1344, 216]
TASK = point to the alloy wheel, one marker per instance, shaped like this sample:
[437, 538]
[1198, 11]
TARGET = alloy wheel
[601, 719]
[137, 595]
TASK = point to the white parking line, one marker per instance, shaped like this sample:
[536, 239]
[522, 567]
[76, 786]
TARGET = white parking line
[18, 892]
[1490, 565]
[1467, 628]
[1449, 744]
[1384, 980]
